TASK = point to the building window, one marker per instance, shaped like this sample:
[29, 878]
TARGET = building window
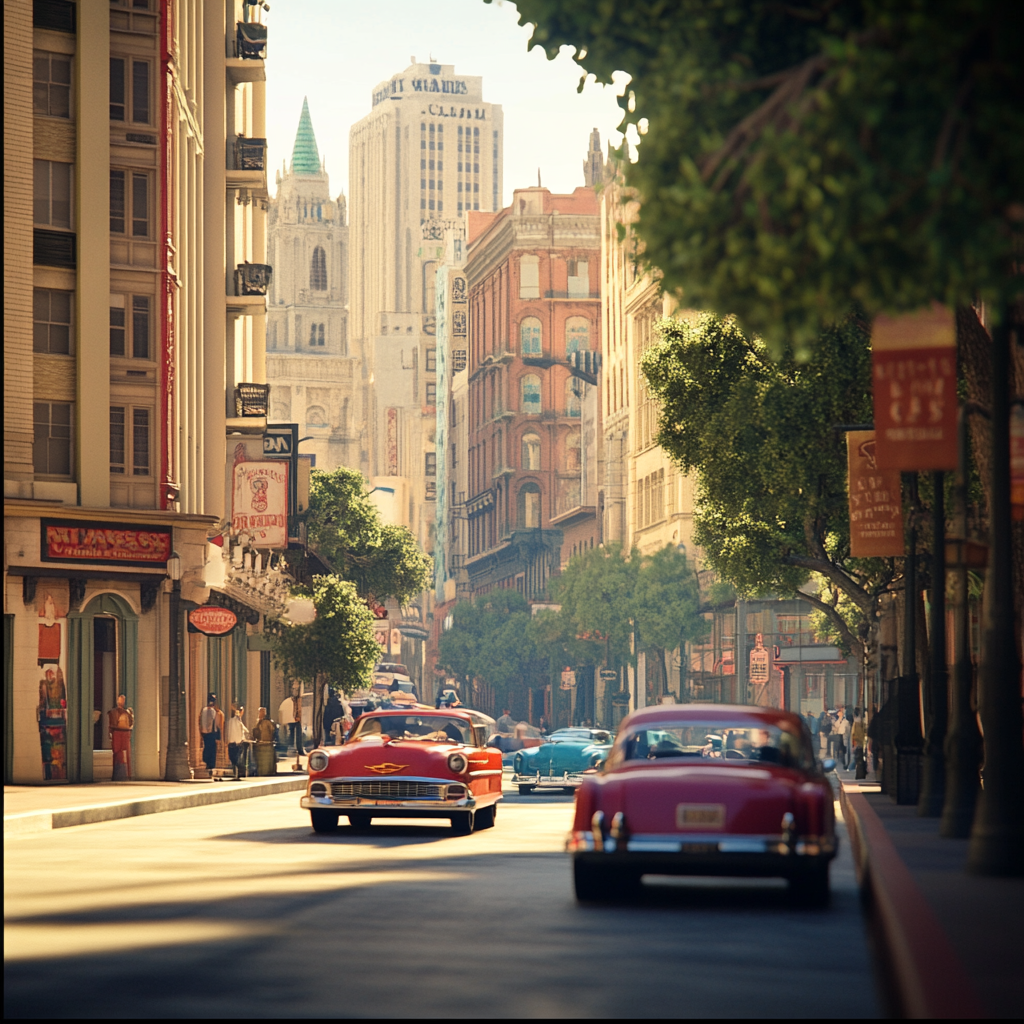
[529, 507]
[51, 188]
[530, 452]
[51, 438]
[317, 336]
[431, 393]
[530, 337]
[129, 90]
[529, 390]
[130, 335]
[51, 321]
[573, 451]
[318, 271]
[430, 463]
[431, 360]
[129, 204]
[573, 397]
[577, 335]
[529, 277]
[579, 279]
[56, 15]
[51, 84]
[129, 440]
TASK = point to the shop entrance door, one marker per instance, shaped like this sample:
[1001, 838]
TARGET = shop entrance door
[105, 681]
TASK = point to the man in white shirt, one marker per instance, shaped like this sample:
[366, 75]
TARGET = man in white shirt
[236, 734]
[210, 721]
[842, 730]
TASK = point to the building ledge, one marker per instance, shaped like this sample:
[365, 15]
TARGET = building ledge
[239, 70]
[247, 305]
[574, 515]
[245, 424]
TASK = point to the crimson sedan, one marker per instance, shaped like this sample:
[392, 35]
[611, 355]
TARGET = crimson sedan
[706, 790]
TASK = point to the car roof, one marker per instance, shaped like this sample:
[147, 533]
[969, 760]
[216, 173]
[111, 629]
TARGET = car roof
[420, 709]
[659, 714]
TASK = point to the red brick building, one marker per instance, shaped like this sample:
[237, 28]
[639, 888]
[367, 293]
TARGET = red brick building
[533, 431]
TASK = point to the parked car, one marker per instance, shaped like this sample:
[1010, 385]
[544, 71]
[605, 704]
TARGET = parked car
[706, 790]
[560, 761]
[419, 763]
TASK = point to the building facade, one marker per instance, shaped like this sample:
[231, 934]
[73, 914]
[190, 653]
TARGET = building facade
[312, 374]
[134, 260]
[533, 422]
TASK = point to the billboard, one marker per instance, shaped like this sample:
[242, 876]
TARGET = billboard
[259, 505]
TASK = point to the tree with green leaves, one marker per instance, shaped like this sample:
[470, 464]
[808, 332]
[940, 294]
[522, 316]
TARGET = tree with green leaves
[336, 650]
[772, 508]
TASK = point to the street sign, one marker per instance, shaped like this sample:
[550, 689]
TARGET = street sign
[279, 440]
[609, 675]
[568, 679]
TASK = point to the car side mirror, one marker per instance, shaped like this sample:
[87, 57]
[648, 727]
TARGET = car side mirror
[828, 765]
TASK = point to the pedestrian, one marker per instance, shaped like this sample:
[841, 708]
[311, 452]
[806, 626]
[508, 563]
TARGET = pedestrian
[120, 722]
[542, 724]
[874, 737]
[825, 731]
[263, 734]
[813, 728]
[236, 734]
[211, 721]
[857, 737]
[841, 730]
[506, 723]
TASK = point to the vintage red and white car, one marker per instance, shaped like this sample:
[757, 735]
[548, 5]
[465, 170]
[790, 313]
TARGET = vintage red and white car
[705, 790]
[407, 763]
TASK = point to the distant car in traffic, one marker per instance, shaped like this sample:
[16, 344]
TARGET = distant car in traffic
[387, 674]
[706, 790]
[560, 761]
[407, 763]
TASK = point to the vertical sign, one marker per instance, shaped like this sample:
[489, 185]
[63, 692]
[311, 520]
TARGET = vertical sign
[914, 370]
[876, 513]
[259, 504]
[391, 442]
[760, 666]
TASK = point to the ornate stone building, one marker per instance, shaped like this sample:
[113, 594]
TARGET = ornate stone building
[309, 366]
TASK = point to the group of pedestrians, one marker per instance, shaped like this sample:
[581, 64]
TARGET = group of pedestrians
[839, 733]
[213, 729]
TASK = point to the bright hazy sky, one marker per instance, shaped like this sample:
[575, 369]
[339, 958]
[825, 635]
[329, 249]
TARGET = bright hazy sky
[336, 51]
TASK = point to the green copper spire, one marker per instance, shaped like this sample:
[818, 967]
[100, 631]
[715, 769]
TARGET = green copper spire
[305, 155]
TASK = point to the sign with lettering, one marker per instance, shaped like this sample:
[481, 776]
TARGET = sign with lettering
[568, 679]
[212, 620]
[259, 504]
[760, 662]
[100, 543]
[914, 368]
[876, 510]
[391, 441]
[279, 440]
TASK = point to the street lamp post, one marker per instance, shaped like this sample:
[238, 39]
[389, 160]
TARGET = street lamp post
[177, 751]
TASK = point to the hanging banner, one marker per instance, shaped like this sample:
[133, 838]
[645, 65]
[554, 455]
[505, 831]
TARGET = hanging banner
[914, 374]
[212, 620]
[876, 511]
[260, 502]
[760, 662]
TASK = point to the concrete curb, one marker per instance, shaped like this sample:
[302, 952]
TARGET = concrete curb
[44, 821]
[926, 972]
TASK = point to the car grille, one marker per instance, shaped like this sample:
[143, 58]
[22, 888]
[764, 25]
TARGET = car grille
[391, 789]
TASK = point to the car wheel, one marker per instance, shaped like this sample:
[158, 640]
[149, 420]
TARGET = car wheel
[462, 824]
[324, 821]
[360, 820]
[485, 818]
[525, 790]
[810, 888]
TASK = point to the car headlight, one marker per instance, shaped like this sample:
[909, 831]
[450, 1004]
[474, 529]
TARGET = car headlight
[318, 761]
[457, 763]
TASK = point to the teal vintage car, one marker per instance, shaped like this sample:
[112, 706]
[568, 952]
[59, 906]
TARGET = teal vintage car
[559, 762]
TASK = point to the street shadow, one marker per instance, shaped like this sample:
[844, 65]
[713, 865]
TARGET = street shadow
[344, 834]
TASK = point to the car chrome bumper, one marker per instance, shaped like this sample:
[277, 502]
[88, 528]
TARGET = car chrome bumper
[319, 796]
[562, 781]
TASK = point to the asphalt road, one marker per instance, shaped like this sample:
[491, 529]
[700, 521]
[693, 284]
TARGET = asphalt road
[240, 909]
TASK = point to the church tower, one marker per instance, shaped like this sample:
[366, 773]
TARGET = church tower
[593, 166]
[309, 366]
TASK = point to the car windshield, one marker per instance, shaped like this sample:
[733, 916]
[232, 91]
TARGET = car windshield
[432, 728]
[716, 741]
[579, 736]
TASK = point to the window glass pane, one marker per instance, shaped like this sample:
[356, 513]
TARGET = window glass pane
[60, 69]
[140, 205]
[117, 439]
[40, 97]
[140, 442]
[431, 360]
[140, 92]
[117, 202]
[140, 327]
[60, 307]
[531, 393]
[41, 191]
[40, 435]
[116, 331]
[60, 195]
[529, 334]
[116, 89]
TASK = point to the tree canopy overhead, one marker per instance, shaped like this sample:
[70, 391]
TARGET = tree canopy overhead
[797, 157]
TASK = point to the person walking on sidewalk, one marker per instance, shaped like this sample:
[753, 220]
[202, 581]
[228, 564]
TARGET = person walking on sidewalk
[857, 738]
[263, 733]
[814, 727]
[825, 731]
[120, 722]
[236, 734]
[841, 730]
[211, 721]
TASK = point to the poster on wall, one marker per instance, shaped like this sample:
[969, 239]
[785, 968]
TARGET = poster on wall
[259, 505]
[52, 707]
[876, 510]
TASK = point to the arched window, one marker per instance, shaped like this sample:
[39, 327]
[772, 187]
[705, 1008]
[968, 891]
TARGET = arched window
[529, 337]
[529, 507]
[573, 397]
[577, 335]
[318, 270]
[529, 392]
[530, 452]
[316, 417]
[573, 451]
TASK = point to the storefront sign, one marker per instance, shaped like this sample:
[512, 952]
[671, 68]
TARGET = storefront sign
[260, 502]
[876, 512]
[212, 620]
[760, 663]
[914, 371]
[98, 543]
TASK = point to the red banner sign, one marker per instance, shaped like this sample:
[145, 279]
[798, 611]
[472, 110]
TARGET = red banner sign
[212, 620]
[914, 370]
[876, 510]
[104, 543]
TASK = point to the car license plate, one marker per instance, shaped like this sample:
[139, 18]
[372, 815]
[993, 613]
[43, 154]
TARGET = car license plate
[700, 815]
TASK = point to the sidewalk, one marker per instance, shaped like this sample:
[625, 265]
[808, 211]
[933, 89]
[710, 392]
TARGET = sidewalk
[952, 942]
[30, 809]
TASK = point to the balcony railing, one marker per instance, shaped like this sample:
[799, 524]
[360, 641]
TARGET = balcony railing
[251, 399]
[251, 41]
[252, 278]
[250, 154]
